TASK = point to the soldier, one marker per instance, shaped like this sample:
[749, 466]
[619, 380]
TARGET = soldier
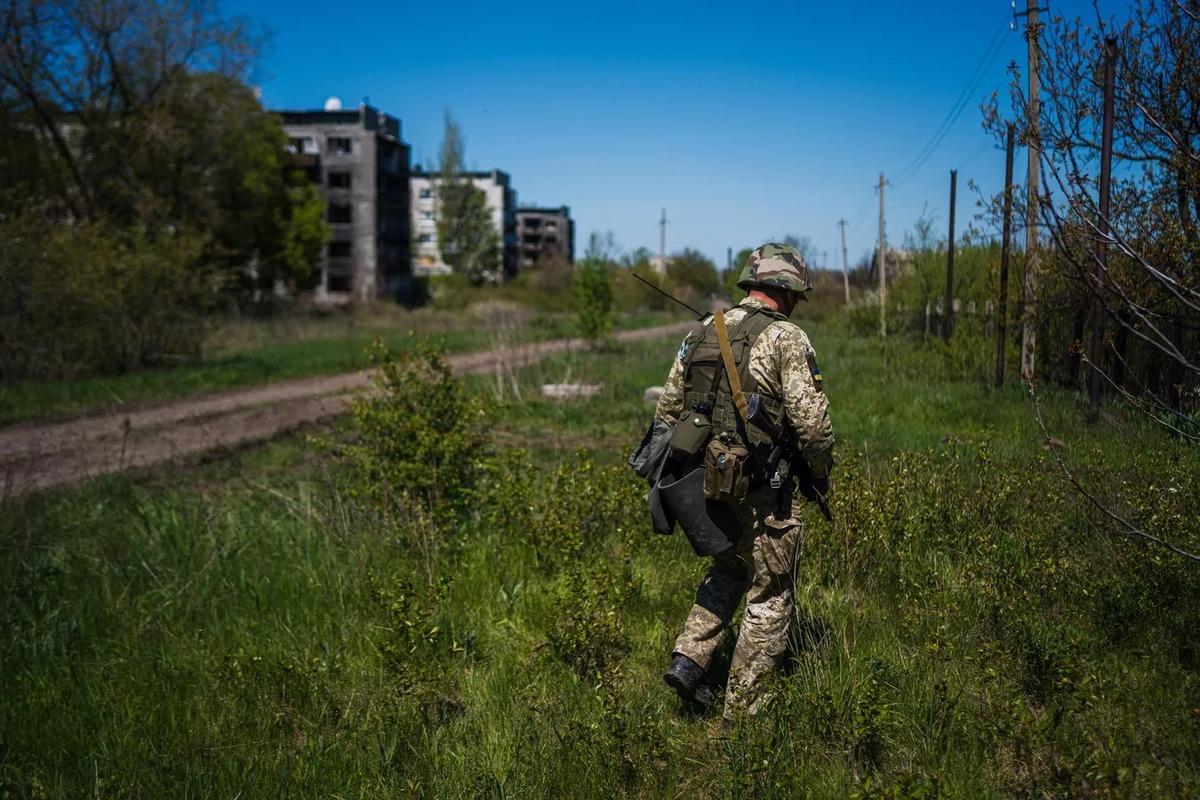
[775, 361]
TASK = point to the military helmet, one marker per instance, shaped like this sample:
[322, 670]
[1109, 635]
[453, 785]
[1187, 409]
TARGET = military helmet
[778, 265]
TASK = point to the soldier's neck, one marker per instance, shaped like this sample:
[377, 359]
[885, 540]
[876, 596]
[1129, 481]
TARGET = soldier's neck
[767, 300]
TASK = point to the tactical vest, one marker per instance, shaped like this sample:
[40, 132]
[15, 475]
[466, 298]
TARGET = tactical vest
[706, 386]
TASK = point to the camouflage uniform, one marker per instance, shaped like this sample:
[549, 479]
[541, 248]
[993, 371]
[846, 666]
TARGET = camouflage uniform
[762, 564]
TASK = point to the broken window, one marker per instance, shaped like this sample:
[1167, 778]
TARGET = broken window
[339, 180]
[341, 249]
[339, 145]
[426, 193]
[302, 144]
[425, 238]
[340, 212]
[426, 214]
[337, 283]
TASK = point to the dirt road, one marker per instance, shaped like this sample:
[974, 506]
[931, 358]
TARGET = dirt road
[37, 455]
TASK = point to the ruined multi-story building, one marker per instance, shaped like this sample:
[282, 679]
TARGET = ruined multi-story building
[361, 164]
[545, 231]
[501, 202]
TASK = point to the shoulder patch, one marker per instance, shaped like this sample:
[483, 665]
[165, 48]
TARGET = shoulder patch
[811, 358]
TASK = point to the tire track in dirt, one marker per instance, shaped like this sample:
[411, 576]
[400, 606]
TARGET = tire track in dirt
[40, 455]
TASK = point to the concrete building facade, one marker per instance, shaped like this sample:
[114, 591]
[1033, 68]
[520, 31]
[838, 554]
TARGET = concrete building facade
[501, 202]
[545, 231]
[362, 166]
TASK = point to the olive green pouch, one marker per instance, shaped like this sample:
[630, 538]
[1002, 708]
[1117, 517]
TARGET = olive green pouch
[726, 470]
[691, 433]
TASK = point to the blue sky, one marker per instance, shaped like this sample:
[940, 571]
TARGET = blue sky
[746, 121]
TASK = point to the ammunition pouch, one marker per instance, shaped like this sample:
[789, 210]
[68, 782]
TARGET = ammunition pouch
[727, 469]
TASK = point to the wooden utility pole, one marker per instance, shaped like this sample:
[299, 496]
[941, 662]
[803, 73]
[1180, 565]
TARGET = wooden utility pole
[845, 263]
[1101, 268]
[1001, 310]
[1033, 167]
[947, 318]
[881, 261]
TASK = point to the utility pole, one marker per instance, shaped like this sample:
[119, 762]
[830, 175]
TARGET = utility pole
[1002, 310]
[1101, 268]
[662, 239]
[1033, 156]
[845, 263]
[728, 259]
[881, 261]
[947, 317]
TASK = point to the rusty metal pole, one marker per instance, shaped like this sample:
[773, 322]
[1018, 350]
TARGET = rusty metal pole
[1099, 273]
[948, 317]
[1002, 309]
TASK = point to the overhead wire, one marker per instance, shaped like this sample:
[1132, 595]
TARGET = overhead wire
[960, 104]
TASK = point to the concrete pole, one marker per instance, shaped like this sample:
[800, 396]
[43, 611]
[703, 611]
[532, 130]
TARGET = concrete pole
[1033, 167]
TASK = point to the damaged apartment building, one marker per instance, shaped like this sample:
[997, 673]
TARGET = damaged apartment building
[361, 164]
[501, 202]
[544, 233]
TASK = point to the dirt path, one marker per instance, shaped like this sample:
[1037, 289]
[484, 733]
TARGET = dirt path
[41, 455]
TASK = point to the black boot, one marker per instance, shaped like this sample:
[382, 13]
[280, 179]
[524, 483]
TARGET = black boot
[684, 676]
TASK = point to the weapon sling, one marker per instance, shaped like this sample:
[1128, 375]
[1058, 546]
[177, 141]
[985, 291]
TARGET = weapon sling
[735, 382]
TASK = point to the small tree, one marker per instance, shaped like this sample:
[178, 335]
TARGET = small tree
[466, 236]
[593, 291]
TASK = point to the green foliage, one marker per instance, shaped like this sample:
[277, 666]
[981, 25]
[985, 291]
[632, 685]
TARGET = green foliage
[467, 238]
[83, 299]
[421, 435]
[691, 269]
[970, 627]
[593, 300]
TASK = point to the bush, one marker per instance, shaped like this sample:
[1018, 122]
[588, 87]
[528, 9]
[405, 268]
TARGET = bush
[421, 436]
[593, 300]
[83, 299]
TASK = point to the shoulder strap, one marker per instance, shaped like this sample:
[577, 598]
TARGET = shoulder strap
[735, 381]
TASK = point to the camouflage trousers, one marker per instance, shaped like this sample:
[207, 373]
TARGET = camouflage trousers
[760, 567]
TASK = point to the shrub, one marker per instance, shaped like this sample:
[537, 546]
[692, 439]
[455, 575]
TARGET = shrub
[593, 300]
[421, 436]
[82, 299]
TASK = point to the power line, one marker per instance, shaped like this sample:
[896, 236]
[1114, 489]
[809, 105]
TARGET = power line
[960, 105]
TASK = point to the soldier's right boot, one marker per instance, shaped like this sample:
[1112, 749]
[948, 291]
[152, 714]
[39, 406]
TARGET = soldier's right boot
[686, 677]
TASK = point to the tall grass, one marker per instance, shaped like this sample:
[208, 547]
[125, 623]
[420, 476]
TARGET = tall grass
[258, 626]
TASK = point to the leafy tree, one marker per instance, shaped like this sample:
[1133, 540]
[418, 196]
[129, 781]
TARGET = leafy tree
[136, 115]
[467, 237]
[593, 292]
[693, 270]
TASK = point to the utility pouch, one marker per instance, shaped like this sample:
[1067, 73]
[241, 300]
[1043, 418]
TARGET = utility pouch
[690, 435]
[726, 470]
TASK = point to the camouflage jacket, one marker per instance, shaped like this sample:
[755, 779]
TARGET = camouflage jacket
[779, 362]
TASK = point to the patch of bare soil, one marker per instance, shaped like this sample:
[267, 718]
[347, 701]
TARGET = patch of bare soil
[37, 456]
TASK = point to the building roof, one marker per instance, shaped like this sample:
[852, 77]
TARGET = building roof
[368, 117]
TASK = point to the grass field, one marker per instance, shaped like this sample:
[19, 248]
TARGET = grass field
[250, 352]
[258, 626]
